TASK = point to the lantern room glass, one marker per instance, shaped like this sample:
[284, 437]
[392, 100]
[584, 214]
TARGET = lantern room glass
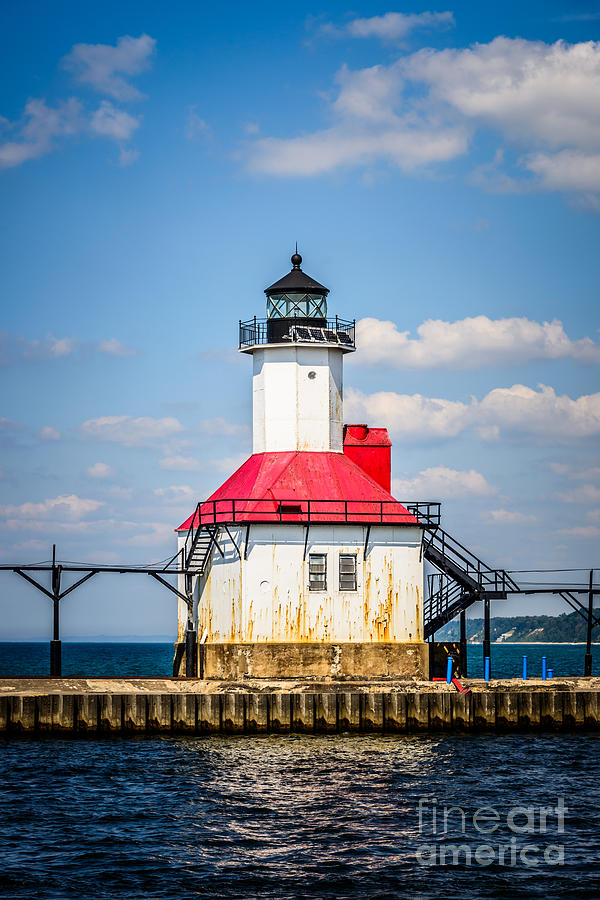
[297, 306]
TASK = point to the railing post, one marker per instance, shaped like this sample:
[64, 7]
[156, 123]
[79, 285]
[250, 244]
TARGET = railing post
[463, 643]
[590, 615]
[191, 652]
[486, 628]
[55, 645]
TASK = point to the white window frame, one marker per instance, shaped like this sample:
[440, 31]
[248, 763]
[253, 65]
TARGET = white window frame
[353, 573]
[315, 559]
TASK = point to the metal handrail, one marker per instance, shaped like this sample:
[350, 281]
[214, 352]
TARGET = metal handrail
[255, 331]
[297, 510]
[484, 575]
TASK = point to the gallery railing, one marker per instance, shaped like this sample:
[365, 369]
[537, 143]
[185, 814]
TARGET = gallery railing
[297, 330]
[359, 512]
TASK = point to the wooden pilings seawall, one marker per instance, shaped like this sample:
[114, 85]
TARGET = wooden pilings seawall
[255, 713]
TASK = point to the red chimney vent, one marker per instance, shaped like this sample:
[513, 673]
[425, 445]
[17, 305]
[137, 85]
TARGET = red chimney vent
[371, 449]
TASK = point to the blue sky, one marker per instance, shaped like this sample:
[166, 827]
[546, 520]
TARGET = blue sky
[440, 170]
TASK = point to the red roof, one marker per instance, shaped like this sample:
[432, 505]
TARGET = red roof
[279, 486]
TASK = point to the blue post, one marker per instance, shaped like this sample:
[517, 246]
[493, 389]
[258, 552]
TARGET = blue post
[524, 668]
[550, 673]
[486, 668]
[544, 669]
[449, 670]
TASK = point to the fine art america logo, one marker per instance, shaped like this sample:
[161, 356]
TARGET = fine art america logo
[533, 831]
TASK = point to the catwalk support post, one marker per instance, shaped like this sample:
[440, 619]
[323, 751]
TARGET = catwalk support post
[191, 641]
[55, 644]
[463, 643]
[590, 616]
[486, 630]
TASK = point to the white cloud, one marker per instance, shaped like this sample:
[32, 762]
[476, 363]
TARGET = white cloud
[100, 470]
[116, 124]
[529, 90]
[48, 433]
[151, 534]
[558, 468]
[196, 128]
[113, 347]
[59, 347]
[143, 431]
[542, 413]
[369, 124]
[518, 410]
[442, 482]
[103, 66]
[424, 107]
[38, 129]
[508, 517]
[176, 492]
[391, 26]
[68, 507]
[128, 156]
[587, 474]
[229, 464]
[180, 463]
[120, 493]
[582, 531]
[408, 415]
[406, 146]
[469, 343]
[584, 493]
[17, 348]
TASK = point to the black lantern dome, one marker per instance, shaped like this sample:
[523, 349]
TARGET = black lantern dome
[295, 298]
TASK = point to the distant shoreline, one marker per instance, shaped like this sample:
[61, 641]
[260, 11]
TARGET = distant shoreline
[173, 640]
[533, 643]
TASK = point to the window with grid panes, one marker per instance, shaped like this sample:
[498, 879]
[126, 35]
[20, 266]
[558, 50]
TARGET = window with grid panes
[317, 572]
[347, 572]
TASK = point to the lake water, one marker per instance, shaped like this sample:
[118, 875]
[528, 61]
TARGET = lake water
[296, 816]
[157, 659]
[300, 817]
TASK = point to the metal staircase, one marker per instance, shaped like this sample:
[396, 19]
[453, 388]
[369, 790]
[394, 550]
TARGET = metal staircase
[462, 580]
[198, 545]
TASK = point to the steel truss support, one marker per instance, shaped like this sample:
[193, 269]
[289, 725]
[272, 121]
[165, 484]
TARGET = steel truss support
[56, 596]
[191, 643]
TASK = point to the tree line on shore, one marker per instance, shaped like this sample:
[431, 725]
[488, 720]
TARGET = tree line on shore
[567, 628]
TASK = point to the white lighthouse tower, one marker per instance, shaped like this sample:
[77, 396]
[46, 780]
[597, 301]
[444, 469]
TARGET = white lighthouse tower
[302, 563]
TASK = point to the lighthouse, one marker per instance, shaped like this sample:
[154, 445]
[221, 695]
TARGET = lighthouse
[303, 564]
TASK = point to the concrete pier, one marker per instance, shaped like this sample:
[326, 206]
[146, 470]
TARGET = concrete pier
[105, 706]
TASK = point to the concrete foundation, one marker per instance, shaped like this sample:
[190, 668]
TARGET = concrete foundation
[96, 707]
[231, 661]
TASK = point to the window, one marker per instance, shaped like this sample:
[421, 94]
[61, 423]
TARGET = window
[295, 305]
[317, 572]
[347, 572]
[289, 509]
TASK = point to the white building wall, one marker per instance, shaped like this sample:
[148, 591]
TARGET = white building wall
[297, 398]
[266, 597]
